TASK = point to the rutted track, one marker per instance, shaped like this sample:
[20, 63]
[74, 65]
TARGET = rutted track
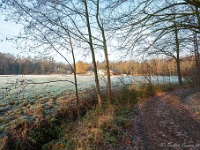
[167, 121]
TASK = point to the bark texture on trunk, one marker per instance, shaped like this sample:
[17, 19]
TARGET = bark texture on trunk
[75, 77]
[93, 54]
[105, 53]
[177, 54]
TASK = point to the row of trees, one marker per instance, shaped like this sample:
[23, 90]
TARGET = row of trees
[10, 64]
[154, 66]
[146, 27]
[168, 28]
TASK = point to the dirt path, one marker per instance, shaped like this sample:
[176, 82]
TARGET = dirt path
[167, 121]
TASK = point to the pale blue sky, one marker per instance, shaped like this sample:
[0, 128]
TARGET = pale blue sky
[8, 29]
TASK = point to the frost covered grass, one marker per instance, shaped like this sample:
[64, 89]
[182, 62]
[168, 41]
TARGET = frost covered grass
[29, 86]
[26, 105]
[30, 112]
[16, 87]
[29, 125]
[100, 128]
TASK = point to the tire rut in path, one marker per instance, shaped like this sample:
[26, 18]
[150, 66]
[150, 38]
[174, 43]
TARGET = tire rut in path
[135, 137]
[168, 126]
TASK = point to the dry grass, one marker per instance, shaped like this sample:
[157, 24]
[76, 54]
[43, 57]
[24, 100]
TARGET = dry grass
[101, 128]
[32, 123]
[3, 142]
[89, 134]
[63, 101]
[35, 123]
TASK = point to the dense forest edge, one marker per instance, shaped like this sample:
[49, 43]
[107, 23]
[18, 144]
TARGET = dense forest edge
[42, 65]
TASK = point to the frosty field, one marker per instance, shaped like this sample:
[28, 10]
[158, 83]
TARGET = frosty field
[36, 85]
[27, 86]
[28, 100]
[17, 91]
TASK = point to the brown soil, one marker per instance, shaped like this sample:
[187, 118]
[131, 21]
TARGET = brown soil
[169, 120]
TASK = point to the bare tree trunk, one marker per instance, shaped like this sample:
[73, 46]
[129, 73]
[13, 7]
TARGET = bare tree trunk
[75, 77]
[177, 54]
[196, 40]
[197, 58]
[196, 46]
[93, 54]
[105, 54]
[196, 50]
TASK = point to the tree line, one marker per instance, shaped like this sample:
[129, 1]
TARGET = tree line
[154, 67]
[9, 64]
